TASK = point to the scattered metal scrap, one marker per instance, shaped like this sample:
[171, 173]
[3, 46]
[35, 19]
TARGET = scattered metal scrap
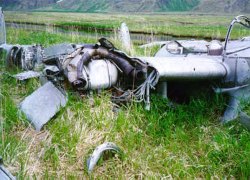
[27, 75]
[4, 173]
[87, 67]
[43, 104]
[91, 161]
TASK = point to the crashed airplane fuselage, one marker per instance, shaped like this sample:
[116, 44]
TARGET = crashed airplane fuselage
[88, 67]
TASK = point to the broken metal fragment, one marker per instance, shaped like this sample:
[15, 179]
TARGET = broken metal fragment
[245, 120]
[124, 35]
[43, 104]
[91, 162]
[4, 173]
[57, 50]
[27, 75]
[2, 28]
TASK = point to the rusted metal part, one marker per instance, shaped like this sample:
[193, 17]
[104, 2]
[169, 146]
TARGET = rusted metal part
[122, 63]
[81, 80]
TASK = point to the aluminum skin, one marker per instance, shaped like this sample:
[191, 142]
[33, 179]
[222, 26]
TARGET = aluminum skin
[91, 162]
[4, 173]
[43, 104]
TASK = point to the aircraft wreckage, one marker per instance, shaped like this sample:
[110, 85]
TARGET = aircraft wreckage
[89, 67]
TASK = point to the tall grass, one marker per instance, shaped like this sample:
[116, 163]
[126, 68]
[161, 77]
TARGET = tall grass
[175, 24]
[184, 141]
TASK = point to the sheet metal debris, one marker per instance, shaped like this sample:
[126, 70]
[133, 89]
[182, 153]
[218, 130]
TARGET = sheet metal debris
[43, 104]
[4, 173]
[91, 161]
[27, 75]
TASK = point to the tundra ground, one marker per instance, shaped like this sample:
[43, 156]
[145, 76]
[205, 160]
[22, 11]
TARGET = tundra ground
[186, 141]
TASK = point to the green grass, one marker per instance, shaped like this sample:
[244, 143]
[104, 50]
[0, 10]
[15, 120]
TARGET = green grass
[182, 142]
[175, 24]
[101, 26]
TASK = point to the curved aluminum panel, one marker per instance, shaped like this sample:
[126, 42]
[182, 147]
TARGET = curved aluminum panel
[91, 162]
[187, 68]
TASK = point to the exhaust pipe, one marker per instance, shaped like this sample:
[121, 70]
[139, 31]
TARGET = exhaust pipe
[121, 62]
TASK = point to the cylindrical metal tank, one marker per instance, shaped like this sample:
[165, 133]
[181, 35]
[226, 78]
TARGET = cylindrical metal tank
[100, 74]
[187, 68]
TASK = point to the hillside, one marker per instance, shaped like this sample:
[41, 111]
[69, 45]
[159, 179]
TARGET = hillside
[25, 4]
[101, 5]
[225, 6]
[208, 6]
[127, 6]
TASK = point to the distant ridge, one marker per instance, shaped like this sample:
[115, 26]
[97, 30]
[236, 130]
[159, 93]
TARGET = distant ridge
[108, 6]
[223, 6]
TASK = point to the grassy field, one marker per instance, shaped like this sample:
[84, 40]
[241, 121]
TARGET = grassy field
[182, 142]
[174, 24]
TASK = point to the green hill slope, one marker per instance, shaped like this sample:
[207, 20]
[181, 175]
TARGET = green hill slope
[208, 6]
[225, 6]
[101, 5]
